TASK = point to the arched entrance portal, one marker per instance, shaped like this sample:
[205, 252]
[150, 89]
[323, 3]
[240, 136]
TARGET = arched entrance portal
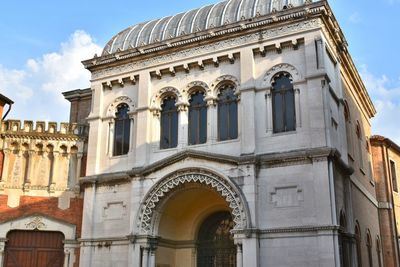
[185, 219]
[178, 214]
[215, 246]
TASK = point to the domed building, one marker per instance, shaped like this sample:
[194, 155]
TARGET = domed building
[230, 135]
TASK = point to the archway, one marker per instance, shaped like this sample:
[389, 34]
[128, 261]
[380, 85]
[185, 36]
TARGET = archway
[176, 211]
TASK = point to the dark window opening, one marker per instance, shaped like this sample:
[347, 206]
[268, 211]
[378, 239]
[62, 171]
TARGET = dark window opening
[197, 119]
[169, 123]
[122, 130]
[227, 113]
[283, 108]
[394, 178]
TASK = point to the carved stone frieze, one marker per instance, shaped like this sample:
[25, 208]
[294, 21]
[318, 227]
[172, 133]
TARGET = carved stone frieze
[165, 186]
[112, 108]
[207, 48]
[36, 224]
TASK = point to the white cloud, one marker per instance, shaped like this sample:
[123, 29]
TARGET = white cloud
[385, 94]
[36, 88]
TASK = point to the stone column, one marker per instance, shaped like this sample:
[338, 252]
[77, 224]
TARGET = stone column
[53, 164]
[29, 170]
[5, 169]
[132, 131]
[212, 119]
[2, 247]
[79, 157]
[239, 255]
[110, 138]
[182, 125]
[66, 258]
[297, 107]
[145, 257]
[152, 258]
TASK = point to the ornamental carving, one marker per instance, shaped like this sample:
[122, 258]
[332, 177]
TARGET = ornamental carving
[112, 108]
[283, 67]
[155, 105]
[224, 79]
[36, 224]
[213, 47]
[165, 186]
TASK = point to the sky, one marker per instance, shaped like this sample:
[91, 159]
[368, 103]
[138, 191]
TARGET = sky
[42, 44]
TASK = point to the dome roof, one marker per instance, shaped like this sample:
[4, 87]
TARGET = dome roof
[192, 21]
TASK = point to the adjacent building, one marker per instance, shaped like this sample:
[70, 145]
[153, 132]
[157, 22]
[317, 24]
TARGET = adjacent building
[386, 162]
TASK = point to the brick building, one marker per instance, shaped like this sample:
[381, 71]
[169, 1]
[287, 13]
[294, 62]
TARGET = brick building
[386, 166]
[39, 190]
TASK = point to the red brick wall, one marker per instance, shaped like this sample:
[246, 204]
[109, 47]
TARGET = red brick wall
[48, 207]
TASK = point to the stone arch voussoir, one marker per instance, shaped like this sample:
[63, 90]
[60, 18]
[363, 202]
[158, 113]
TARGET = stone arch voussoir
[221, 185]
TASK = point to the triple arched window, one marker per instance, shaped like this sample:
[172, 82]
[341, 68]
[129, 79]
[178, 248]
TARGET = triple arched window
[283, 104]
[227, 109]
[122, 130]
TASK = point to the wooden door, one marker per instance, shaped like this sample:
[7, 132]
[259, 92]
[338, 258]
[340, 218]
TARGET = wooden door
[34, 249]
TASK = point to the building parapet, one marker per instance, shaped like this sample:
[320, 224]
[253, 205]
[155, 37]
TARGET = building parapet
[41, 129]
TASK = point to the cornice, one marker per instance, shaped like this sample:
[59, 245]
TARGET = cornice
[384, 141]
[271, 160]
[42, 136]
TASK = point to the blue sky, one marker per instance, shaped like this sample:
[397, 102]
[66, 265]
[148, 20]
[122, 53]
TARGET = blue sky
[43, 42]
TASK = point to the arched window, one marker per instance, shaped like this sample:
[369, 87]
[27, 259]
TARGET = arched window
[344, 242]
[227, 113]
[169, 123]
[283, 109]
[379, 251]
[369, 249]
[357, 235]
[349, 133]
[197, 119]
[359, 145]
[122, 130]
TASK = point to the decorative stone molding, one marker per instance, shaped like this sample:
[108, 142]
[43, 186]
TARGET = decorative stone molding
[203, 49]
[224, 79]
[282, 67]
[112, 108]
[155, 103]
[198, 84]
[36, 224]
[227, 190]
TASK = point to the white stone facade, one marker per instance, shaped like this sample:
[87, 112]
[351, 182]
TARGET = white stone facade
[285, 191]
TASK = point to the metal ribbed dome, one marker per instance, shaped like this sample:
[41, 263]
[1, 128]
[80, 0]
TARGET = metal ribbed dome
[192, 21]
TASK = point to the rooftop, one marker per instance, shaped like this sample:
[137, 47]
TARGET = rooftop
[197, 20]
